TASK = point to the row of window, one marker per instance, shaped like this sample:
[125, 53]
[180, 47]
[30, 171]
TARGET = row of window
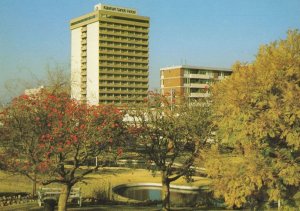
[122, 39]
[111, 34]
[125, 26]
[138, 42]
[135, 58]
[121, 70]
[123, 89]
[118, 39]
[127, 64]
[201, 72]
[142, 51]
[123, 95]
[197, 90]
[83, 20]
[131, 83]
[115, 80]
[119, 101]
[118, 76]
[122, 76]
[122, 44]
[198, 81]
[125, 18]
[206, 72]
[123, 32]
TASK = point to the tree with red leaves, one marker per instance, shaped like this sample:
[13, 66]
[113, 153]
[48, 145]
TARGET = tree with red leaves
[50, 137]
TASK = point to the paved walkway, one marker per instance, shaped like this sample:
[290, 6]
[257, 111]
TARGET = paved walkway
[34, 207]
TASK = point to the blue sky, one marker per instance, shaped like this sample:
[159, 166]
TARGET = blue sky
[34, 34]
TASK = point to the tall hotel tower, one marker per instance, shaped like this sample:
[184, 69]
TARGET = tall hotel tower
[109, 56]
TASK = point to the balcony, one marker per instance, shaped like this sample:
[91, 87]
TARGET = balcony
[107, 58]
[126, 51]
[124, 40]
[137, 67]
[122, 92]
[201, 76]
[122, 53]
[124, 31]
[122, 98]
[110, 20]
[199, 95]
[124, 73]
[123, 79]
[112, 33]
[134, 44]
[125, 28]
[123, 85]
[196, 85]
[222, 77]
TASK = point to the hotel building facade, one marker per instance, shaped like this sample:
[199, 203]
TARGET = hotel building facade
[109, 56]
[191, 82]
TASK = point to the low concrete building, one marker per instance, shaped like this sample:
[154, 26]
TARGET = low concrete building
[191, 82]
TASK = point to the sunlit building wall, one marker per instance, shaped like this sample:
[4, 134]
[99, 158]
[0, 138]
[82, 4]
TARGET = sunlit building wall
[110, 56]
[191, 82]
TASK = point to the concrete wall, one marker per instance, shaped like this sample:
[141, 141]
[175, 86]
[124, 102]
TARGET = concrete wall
[172, 79]
[93, 63]
[76, 63]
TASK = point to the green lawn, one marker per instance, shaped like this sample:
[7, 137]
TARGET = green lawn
[104, 178]
[14, 183]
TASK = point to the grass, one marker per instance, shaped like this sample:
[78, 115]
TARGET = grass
[117, 176]
[14, 183]
[104, 177]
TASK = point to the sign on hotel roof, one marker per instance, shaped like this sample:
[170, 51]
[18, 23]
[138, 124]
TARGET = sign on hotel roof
[115, 9]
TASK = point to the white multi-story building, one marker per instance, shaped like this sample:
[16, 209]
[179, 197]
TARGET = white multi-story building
[109, 56]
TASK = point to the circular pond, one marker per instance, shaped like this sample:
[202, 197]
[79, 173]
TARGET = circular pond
[180, 195]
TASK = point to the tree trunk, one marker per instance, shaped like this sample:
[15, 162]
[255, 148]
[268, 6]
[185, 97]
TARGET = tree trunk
[63, 197]
[165, 191]
[34, 185]
[49, 205]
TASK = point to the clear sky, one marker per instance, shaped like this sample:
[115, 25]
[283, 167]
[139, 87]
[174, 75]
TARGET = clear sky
[34, 34]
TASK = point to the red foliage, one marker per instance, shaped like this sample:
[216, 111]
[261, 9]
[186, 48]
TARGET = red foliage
[120, 151]
[56, 123]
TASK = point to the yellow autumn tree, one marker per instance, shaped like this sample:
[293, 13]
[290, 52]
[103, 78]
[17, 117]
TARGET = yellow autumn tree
[257, 112]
